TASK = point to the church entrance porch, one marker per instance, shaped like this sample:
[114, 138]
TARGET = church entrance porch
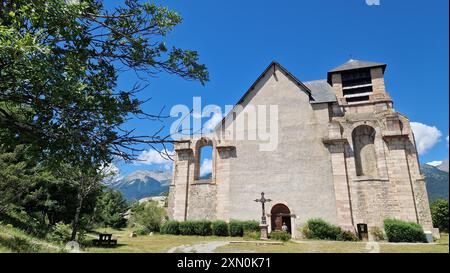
[280, 215]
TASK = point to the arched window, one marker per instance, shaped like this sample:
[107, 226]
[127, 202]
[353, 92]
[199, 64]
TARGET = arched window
[204, 160]
[364, 148]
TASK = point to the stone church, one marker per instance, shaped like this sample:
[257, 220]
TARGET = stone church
[343, 154]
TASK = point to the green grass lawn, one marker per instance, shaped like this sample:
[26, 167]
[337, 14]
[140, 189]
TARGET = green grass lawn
[441, 246]
[13, 240]
[4, 250]
[291, 247]
[162, 243]
[145, 243]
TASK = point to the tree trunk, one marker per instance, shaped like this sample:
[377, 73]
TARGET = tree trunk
[76, 219]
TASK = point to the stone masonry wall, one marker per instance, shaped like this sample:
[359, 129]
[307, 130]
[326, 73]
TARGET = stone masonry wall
[202, 201]
[298, 172]
[312, 170]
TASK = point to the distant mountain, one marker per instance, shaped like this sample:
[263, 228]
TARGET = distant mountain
[146, 183]
[206, 176]
[441, 165]
[436, 179]
[143, 183]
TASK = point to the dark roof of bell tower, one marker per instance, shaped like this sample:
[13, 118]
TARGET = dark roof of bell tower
[356, 64]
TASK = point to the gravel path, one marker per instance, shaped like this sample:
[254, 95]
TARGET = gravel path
[198, 248]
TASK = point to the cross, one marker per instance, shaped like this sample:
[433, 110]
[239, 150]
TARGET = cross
[263, 201]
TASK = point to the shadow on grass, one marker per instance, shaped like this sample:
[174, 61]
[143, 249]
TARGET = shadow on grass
[19, 245]
[103, 246]
[90, 243]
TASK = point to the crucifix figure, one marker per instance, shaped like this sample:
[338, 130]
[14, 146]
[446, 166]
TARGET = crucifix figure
[263, 201]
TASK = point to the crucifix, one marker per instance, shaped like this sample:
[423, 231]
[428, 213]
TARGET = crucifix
[263, 201]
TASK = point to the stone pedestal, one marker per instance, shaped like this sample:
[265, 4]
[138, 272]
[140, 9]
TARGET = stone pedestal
[436, 233]
[429, 236]
[264, 232]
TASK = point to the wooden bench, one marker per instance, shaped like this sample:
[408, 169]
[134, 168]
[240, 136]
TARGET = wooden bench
[104, 239]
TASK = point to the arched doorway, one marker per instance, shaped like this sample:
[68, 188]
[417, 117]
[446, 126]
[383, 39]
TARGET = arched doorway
[279, 215]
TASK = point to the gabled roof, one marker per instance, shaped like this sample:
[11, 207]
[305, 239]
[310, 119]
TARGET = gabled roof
[356, 64]
[317, 91]
[273, 65]
[322, 92]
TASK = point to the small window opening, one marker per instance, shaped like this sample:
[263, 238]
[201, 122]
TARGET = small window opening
[357, 99]
[356, 77]
[206, 161]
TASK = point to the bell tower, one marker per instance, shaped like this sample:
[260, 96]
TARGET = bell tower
[359, 86]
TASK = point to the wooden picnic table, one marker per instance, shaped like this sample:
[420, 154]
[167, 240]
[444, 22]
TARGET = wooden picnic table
[104, 239]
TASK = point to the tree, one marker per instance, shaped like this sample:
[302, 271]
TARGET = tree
[18, 176]
[59, 66]
[60, 61]
[439, 214]
[29, 187]
[86, 180]
[146, 216]
[110, 209]
[56, 201]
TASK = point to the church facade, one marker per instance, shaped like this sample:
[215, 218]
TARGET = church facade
[342, 154]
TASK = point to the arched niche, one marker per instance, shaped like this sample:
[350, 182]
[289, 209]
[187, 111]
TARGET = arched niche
[363, 138]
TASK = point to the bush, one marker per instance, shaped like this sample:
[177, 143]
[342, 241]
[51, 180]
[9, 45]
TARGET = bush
[254, 235]
[345, 235]
[320, 230]
[219, 228]
[20, 245]
[23, 221]
[280, 235]
[147, 216]
[60, 233]
[170, 227]
[187, 228]
[250, 226]
[401, 231]
[202, 228]
[236, 228]
[142, 231]
[207, 228]
[439, 213]
[378, 234]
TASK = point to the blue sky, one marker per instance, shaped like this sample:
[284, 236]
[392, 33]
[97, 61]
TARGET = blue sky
[238, 39]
